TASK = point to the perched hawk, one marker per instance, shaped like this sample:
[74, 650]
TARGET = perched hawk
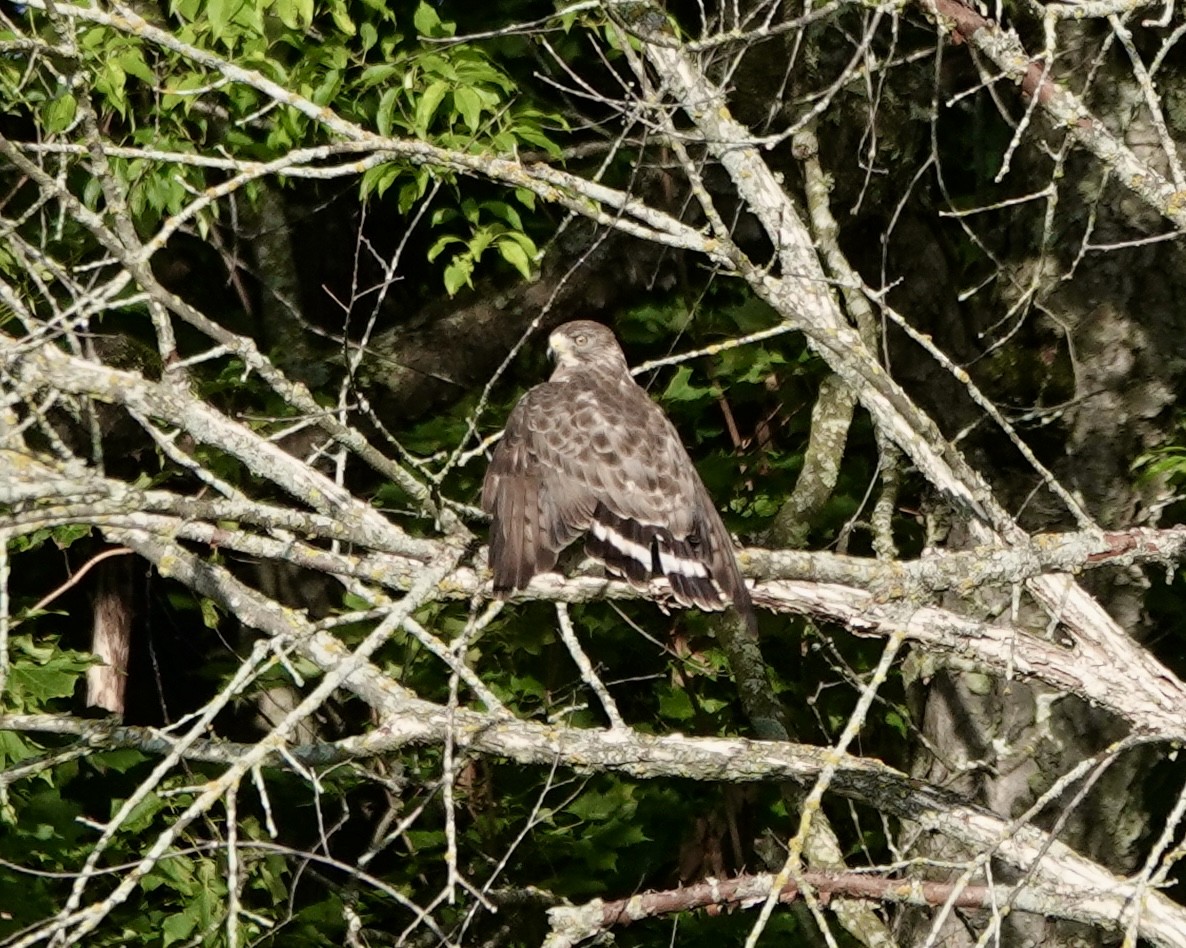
[588, 452]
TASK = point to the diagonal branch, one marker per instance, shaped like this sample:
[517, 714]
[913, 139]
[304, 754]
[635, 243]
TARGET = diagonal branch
[1065, 109]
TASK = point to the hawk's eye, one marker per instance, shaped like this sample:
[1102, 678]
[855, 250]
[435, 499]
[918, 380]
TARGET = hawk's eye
[581, 339]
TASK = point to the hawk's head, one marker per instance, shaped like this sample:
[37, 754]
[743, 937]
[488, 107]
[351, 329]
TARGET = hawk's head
[585, 343]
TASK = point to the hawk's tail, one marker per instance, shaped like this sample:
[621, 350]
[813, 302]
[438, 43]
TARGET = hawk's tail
[699, 572]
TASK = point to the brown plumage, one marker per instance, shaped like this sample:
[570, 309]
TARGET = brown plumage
[588, 452]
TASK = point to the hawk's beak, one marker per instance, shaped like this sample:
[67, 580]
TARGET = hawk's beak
[558, 348]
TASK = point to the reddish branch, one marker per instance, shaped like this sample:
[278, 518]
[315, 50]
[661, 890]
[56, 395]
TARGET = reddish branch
[966, 23]
[744, 891]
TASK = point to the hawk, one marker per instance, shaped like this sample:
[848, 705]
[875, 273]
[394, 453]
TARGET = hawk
[588, 452]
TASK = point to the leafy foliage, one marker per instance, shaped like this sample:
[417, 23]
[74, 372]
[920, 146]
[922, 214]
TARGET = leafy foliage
[384, 67]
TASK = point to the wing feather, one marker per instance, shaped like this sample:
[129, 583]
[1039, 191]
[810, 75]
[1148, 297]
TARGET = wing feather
[537, 510]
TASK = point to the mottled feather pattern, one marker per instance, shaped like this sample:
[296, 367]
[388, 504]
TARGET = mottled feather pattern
[588, 452]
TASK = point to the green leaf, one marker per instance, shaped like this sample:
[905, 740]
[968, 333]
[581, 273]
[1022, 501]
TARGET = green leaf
[386, 114]
[427, 22]
[325, 93]
[343, 22]
[378, 179]
[119, 760]
[218, 14]
[375, 75]
[295, 14]
[505, 212]
[62, 536]
[142, 813]
[425, 839]
[58, 113]
[179, 927]
[514, 254]
[480, 242]
[680, 388]
[14, 748]
[537, 137]
[426, 107]
[209, 613]
[414, 190]
[41, 673]
[616, 803]
[442, 242]
[469, 106]
[459, 274]
[676, 705]
[753, 315]
[110, 82]
[132, 62]
[368, 36]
